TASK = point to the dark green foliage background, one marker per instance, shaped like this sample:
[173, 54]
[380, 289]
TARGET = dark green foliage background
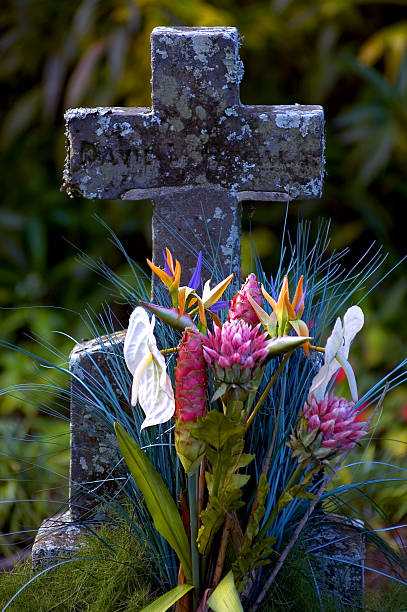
[350, 56]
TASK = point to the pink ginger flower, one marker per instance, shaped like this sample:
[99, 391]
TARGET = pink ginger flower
[241, 307]
[190, 399]
[326, 428]
[190, 377]
[336, 419]
[235, 352]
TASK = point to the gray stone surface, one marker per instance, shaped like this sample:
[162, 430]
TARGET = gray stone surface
[57, 539]
[197, 132]
[214, 220]
[338, 548]
[94, 450]
[196, 135]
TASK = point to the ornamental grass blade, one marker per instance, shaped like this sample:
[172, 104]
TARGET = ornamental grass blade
[168, 599]
[158, 499]
[225, 597]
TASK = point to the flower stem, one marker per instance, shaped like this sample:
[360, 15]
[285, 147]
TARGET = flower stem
[201, 489]
[264, 471]
[192, 485]
[267, 390]
[220, 561]
[320, 349]
[295, 535]
[168, 351]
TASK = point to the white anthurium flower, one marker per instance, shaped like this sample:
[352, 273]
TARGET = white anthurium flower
[337, 352]
[151, 384]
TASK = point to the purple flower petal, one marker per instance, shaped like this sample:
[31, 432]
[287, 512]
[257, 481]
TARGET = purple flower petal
[166, 266]
[273, 289]
[218, 306]
[195, 281]
[301, 302]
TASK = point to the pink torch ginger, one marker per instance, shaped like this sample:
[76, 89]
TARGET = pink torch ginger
[241, 307]
[190, 398]
[335, 418]
[236, 352]
[326, 428]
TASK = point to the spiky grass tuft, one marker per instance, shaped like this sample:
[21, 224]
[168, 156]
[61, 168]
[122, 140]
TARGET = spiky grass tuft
[111, 573]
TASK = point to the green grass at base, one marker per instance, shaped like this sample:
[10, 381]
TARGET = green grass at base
[108, 579]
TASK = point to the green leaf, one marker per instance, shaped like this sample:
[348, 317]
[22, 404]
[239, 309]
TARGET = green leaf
[158, 499]
[225, 597]
[252, 556]
[212, 520]
[258, 509]
[225, 444]
[168, 599]
[216, 428]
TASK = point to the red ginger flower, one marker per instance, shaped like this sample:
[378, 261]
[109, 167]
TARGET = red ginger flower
[241, 307]
[190, 377]
[190, 399]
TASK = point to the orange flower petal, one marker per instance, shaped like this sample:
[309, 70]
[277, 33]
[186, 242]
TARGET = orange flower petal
[176, 278]
[170, 261]
[268, 297]
[283, 292]
[298, 296]
[163, 276]
[288, 308]
[201, 308]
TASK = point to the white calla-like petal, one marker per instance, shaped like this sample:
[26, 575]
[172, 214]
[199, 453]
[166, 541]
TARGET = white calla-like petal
[337, 352]
[352, 324]
[334, 342]
[151, 384]
[319, 384]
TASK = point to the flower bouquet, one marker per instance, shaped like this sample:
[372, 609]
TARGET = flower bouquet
[251, 412]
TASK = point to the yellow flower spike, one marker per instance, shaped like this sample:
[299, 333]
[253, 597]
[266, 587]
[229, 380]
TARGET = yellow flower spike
[183, 295]
[301, 329]
[282, 307]
[260, 312]
[210, 296]
[298, 297]
[269, 321]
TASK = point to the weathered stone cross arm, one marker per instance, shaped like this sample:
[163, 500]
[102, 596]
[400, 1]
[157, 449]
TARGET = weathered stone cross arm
[198, 149]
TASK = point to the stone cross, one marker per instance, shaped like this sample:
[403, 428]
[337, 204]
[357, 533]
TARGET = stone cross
[198, 151]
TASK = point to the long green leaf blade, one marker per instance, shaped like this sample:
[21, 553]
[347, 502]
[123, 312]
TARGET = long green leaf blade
[168, 599]
[158, 499]
[225, 597]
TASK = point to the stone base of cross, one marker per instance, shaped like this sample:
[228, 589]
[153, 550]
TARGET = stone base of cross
[197, 154]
